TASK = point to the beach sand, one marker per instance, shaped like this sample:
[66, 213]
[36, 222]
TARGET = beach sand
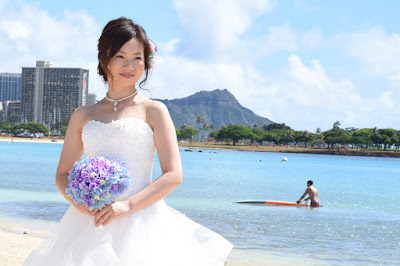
[29, 140]
[15, 246]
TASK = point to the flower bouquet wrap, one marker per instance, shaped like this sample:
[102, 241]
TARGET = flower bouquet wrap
[95, 182]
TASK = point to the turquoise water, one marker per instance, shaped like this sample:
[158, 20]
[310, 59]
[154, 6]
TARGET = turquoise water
[358, 224]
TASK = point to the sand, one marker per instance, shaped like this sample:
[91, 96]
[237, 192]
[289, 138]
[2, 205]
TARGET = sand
[29, 140]
[16, 246]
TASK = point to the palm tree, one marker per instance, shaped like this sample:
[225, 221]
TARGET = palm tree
[199, 120]
[212, 127]
[305, 137]
[205, 127]
[288, 137]
[336, 124]
[375, 136]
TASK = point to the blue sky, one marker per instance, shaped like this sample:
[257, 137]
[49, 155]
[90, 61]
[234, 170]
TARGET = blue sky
[303, 63]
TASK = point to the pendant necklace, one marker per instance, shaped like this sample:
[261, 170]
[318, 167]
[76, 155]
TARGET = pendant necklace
[117, 101]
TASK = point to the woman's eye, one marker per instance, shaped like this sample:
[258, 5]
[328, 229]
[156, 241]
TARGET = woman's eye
[119, 56]
[138, 58]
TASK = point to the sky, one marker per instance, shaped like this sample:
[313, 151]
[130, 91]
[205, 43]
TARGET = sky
[304, 63]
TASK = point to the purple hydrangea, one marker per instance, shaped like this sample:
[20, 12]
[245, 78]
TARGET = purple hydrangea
[95, 182]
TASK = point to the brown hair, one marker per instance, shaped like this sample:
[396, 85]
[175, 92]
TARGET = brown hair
[115, 34]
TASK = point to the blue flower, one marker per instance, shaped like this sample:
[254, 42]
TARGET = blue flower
[95, 182]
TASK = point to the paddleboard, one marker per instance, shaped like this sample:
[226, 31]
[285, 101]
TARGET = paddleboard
[270, 202]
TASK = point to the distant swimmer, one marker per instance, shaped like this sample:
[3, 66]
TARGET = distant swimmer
[312, 194]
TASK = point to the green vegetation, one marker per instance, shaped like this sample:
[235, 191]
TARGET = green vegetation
[271, 134]
[234, 133]
[186, 133]
[14, 119]
[27, 128]
[281, 134]
[13, 126]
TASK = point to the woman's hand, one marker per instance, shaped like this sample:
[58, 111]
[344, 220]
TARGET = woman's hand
[111, 212]
[82, 208]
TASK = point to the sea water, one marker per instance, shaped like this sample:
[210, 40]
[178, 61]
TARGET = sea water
[358, 224]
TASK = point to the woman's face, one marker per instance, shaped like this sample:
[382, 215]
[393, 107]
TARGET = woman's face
[127, 65]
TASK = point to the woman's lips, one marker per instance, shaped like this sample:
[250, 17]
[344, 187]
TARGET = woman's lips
[126, 75]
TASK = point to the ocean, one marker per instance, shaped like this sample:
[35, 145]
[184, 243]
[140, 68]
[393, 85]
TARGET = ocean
[359, 223]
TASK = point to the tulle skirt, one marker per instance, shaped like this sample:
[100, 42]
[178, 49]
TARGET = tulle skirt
[157, 235]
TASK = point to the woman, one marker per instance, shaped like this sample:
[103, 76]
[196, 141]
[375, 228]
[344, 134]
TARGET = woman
[138, 228]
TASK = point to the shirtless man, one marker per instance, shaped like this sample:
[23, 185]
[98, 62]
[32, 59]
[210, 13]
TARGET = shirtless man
[312, 194]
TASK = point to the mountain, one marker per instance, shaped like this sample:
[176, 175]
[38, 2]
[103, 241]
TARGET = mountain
[218, 107]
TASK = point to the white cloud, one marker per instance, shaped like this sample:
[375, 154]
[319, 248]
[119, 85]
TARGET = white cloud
[15, 29]
[303, 96]
[170, 47]
[378, 50]
[214, 27]
[29, 34]
[395, 76]
[175, 76]
[309, 98]
[277, 39]
[299, 91]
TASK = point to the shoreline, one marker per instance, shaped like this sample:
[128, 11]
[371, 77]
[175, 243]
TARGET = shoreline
[285, 149]
[252, 148]
[30, 140]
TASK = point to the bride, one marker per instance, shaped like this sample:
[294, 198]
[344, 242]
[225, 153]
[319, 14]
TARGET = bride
[138, 228]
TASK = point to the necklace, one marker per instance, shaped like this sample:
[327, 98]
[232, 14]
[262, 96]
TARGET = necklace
[116, 102]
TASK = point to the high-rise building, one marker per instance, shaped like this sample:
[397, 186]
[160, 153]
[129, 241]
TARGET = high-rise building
[2, 112]
[11, 107]
[91, 99]
[50, 94]
[10, 87]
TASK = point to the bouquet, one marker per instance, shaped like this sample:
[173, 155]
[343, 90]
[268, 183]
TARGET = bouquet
[95, 182]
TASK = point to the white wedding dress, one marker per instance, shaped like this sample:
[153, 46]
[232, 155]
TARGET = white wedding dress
[155, 236]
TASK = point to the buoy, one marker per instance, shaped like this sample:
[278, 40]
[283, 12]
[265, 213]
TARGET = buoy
[284, 159]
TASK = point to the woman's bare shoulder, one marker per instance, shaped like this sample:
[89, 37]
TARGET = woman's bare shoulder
[155, 108]
[155, 105]
[156, 112]
[82, 114]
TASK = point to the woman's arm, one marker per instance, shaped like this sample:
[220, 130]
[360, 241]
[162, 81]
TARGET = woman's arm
[168, 155]
[71, 152]
[170, 162]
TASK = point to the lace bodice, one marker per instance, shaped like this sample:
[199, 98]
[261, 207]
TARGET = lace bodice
[128, 140]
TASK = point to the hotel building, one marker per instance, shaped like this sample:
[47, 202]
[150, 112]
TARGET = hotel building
[10, 87]
[50, 94]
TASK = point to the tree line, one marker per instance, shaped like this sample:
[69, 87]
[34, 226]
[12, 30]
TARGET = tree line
[279, 133]
[276, 133]
[13, 126]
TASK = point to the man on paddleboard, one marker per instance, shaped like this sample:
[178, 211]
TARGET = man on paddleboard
[312, 194]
